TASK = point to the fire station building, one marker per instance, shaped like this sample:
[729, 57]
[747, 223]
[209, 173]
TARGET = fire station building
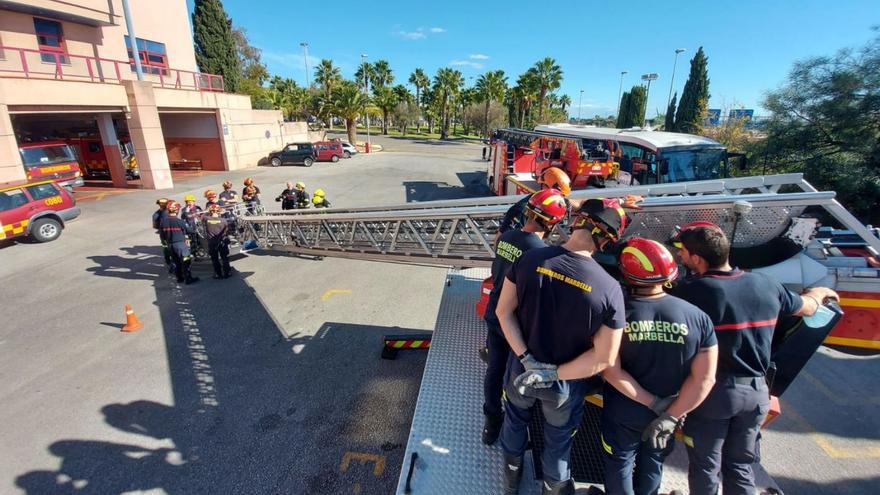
[66, 73]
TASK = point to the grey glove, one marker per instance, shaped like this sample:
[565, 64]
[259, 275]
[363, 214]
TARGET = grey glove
[543, 378]
[661, 404]
[659, 431]
[530, 363]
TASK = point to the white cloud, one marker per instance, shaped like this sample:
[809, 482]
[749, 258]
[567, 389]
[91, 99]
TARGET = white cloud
[478, 56]
[412, 35]
[438, 30]
[466, 63]
[417, 34]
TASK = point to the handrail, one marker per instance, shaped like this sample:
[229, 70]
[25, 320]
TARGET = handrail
[43, 64]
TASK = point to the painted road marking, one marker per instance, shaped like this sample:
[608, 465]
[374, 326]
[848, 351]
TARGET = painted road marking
[824, 441]
[836, 398]
[332, 292]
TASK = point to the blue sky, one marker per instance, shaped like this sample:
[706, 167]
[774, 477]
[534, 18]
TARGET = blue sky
[750, 44]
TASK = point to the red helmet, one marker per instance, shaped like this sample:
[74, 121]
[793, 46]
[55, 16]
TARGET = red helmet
[173, 207]
[556, 178]
[647, 262]
[675, 241]
[210, 194]
[248, 181]
[548, 206]
[605, 216]
[214, 207]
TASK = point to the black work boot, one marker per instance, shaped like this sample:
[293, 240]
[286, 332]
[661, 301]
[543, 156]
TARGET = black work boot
[512, 474]
[484, 354]
[557, 487]
[492, 428]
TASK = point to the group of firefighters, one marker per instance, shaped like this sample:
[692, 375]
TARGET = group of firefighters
[667, 350]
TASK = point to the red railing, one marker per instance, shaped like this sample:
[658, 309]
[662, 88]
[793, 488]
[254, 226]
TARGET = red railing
[38, 64]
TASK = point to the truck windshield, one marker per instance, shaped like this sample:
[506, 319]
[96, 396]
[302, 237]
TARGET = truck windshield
[693, 164]
[44, 155]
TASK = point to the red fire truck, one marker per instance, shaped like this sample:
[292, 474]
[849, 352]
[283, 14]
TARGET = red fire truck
[51, 160]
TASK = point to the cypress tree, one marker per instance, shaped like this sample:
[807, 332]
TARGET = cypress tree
[215, 43]
[669, 123]
[695, 97]
[638, 104]
[624, 108]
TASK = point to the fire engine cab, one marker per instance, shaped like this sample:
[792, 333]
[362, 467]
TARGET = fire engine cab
[51, 160]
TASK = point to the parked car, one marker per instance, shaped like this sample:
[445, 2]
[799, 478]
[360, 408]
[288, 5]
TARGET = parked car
[294, 154]
[35, 209]
[348, 150]
[329, 150]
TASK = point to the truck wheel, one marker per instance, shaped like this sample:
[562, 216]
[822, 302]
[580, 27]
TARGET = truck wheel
[45, 230]
[334, 158]
[347, 154]
[308, 162]
[276, 162]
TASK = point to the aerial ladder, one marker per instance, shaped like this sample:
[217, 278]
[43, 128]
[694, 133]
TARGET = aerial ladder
[773, 225]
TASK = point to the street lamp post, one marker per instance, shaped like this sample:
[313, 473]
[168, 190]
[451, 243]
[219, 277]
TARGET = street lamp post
[620, 91]
[305, 47]
[672, 81]
[651, 76]
[369, 146]
[580, 102]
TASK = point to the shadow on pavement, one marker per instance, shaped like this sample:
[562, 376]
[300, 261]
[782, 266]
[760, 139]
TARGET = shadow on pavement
[852, 486]
[473, 185]
[254, 410]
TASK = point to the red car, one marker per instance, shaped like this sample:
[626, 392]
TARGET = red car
[329, 150]
[35, 209]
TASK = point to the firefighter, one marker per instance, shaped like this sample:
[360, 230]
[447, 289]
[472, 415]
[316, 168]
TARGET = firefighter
[228, 196]
[544, 210]
[250, 194]
[666, 367]
[211, 199]
[158, 215]
[191, 213]
[721, 433]
[319, 199]
[563, 317]
[551, 178]
[302, 197]
[218, 241]
[175, 232]
[287, 197]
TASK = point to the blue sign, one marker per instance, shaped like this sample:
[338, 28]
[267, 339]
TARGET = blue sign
[743, 113]
[714, 116]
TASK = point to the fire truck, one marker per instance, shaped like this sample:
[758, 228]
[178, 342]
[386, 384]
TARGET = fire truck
[93, 157]
[51, 160]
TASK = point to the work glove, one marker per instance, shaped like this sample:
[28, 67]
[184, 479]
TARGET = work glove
[659, 431]
[536, 378]
[661, 404]
[530, 363]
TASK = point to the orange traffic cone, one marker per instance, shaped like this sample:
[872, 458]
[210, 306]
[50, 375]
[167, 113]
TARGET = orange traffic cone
[132, 324]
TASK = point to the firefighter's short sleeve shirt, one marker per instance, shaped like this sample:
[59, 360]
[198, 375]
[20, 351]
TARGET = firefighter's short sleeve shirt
[511, 245]
[562, 300]
[216, 228]
[227, 196]
[661, 338]
[744, 308]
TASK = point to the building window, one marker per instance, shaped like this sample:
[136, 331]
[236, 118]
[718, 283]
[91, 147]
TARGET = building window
[50, 37]
[154, 60]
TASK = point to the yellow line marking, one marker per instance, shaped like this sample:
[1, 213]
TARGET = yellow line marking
[848, 342]
[824, 442]
[834, 397]
[363, 458]
[860, 303]
[332, 292]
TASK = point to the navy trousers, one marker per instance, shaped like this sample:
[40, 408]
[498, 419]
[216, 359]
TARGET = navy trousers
[631, 466]
[493, 383]
[721, 436]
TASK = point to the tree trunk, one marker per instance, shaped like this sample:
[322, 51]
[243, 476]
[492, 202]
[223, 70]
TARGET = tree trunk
[486, 133]
[444, 116]
[351, 127]
[385, 121]
[419, 113]
[541, 105]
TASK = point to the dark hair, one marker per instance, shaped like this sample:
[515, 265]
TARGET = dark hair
[710, 244]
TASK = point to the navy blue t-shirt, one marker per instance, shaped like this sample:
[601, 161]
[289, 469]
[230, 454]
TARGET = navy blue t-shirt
[511, 245]
[562, 300]
[744, 307]
[661, 338]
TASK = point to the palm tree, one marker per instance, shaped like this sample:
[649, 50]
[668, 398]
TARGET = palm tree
[419, 80]
[365, 76]
[385, 99]
[382, 73]
[527, 92]
[349, 103]
[447, 84]
[548, 77]
[327, 76]
[490, 87]
[564, 102]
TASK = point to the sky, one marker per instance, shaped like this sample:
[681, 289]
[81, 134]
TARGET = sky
[751, 44]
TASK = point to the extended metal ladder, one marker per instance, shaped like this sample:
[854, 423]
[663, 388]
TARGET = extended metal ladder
[460, 233]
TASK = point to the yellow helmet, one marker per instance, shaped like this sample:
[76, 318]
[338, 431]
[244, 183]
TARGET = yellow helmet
[300, 185]
[319, 193]
[189, 197]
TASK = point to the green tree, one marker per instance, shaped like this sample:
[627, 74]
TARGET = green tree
[249, 58]
[214, 42]
[349, 103]
[548, 77]
[364, 75]
[632, 107]
[327, 76]
[825, 122]
[382, 74]
[490, 87]
[694, 102]
[565, 102]
[420, 81]
[669, 121]
[447, 84]
[386, 100]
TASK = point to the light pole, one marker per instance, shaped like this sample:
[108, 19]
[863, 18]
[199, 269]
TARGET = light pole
[580, 101]
[132, 40]
[651, 76]
[672, 82]
[366, 95]
[305, 47]
[620, 91]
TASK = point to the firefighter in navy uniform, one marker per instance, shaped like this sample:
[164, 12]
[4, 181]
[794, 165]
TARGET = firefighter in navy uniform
[552, 178]
[228, 197]
[287, 197]
[158, 215]
[250, 195]
[666, 367]
[217, 229]
[563, 317]
[175, 233]
[721, 433]
[544, 210]
[302, 197]
[211, 199]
